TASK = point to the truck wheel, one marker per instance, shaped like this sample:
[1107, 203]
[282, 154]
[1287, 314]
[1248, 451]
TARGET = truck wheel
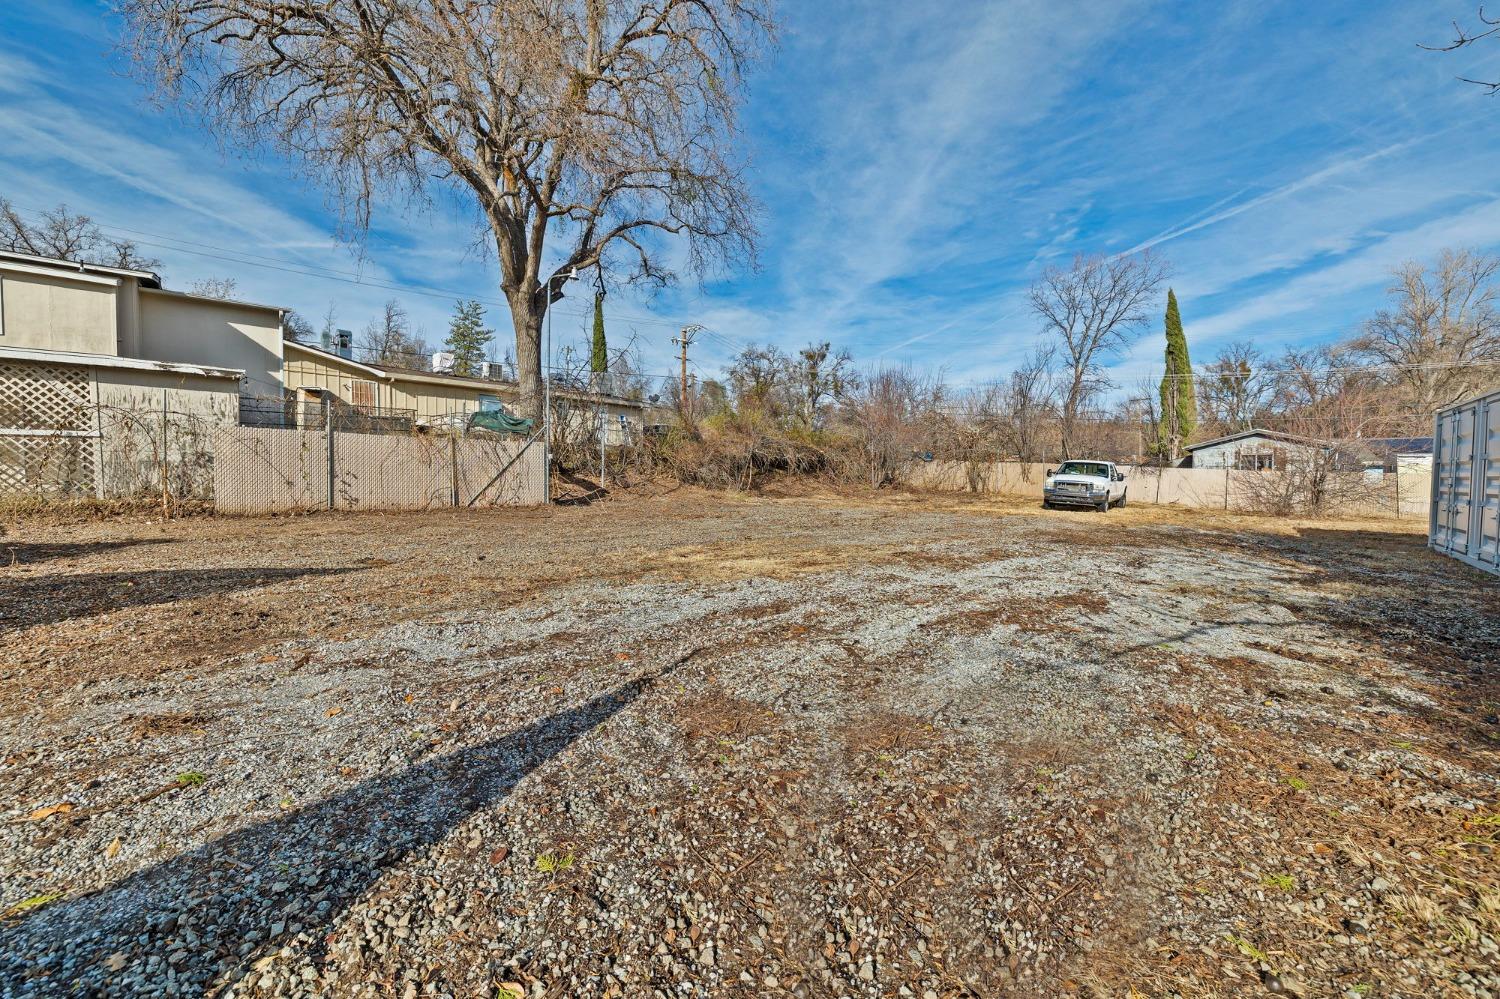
[1104, 506]
[1046, 504]
[1122, 497]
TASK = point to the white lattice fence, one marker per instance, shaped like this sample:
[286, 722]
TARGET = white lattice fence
[48, 445]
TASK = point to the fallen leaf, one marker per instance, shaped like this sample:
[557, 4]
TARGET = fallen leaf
[511, 989]
[50, 810]
[113, 850]
[557, 690]
[409, 698]
[333, 712]
[498, 857]
[267, 659]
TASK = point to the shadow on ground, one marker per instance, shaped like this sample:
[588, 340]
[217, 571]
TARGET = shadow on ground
[33, 553]
[253, 885]
[29, 601]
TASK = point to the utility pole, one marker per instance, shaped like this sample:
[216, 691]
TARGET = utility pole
[689, 334]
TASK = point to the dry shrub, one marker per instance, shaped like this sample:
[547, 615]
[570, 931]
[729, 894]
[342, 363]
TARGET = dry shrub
[736, 450]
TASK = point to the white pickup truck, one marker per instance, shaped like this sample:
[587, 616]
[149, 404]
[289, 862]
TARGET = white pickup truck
[1098, 484]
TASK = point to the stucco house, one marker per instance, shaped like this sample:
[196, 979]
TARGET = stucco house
[87, 350]
[431, 398]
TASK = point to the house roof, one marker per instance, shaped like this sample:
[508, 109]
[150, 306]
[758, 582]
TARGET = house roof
[391, 372]
[147, 279]
[113, 361]
[1275, 435]
[215, 300]
[1401, 445]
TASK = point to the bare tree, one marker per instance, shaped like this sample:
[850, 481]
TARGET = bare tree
[1233, 389]
[65, 236]
[298, 327]
[1092, 309]
[1440, 339]
[819, 376]
[388, 339]
[605, 123]
[758, 380]
[213, 287]
[1030, 403]
[1463, 37]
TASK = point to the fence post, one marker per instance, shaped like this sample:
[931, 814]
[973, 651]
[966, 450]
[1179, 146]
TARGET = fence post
[166, 507]
[1398, 488]
[328, 434]
[453, 463]
[1226, 486]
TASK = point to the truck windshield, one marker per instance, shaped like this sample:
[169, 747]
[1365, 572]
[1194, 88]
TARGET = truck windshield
[1084, 468]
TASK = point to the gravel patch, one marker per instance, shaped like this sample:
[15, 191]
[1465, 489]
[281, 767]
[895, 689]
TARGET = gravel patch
[692, 745]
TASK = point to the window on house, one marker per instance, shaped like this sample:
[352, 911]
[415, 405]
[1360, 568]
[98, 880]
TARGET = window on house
[1255, 460]
[362, 394]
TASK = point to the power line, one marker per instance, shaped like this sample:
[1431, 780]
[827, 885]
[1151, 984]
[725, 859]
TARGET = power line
[325, 273]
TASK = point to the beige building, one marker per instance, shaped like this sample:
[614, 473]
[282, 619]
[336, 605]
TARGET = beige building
[100, 365]
[432, 399]
[59, 305]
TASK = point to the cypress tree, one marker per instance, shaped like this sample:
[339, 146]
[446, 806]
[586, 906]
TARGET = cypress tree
[1179, 403]
[600, 357]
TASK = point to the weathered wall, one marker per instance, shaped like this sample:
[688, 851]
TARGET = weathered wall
[191, 330]
[137, 407]
[1197, 488]
[60, 311]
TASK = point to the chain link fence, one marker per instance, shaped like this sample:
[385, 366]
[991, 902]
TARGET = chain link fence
[195, 444]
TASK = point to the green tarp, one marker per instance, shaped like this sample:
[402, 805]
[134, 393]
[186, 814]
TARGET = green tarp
[501, 422]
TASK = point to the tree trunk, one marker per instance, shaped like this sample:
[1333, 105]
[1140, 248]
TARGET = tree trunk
[527, 318]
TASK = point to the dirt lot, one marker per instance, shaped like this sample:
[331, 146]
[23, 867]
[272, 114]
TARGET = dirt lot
[696, 745]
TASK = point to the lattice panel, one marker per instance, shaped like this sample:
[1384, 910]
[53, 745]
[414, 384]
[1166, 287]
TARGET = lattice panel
[47, 466]
[44, 396]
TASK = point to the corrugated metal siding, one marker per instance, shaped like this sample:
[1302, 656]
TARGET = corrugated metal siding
[1465, 517]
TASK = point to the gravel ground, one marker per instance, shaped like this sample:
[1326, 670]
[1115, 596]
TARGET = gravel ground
[696, 745]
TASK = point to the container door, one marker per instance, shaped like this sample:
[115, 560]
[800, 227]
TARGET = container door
[1484, 543]
[1453, 480]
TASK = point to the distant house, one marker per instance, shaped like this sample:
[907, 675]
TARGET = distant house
[1254, 450]
[389, 393]
[1398, 453]
[1270, 450]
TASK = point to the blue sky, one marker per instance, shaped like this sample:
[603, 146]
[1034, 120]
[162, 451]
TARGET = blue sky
[919, 163]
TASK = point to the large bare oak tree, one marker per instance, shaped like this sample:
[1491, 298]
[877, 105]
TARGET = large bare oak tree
[1091, 311]
[599, 124]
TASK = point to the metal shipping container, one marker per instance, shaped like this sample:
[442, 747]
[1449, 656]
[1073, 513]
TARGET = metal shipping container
[1465, 520]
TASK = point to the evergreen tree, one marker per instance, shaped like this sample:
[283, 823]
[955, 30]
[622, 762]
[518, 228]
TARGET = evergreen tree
[599, 361]
[467, 337]
[1179, 403]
